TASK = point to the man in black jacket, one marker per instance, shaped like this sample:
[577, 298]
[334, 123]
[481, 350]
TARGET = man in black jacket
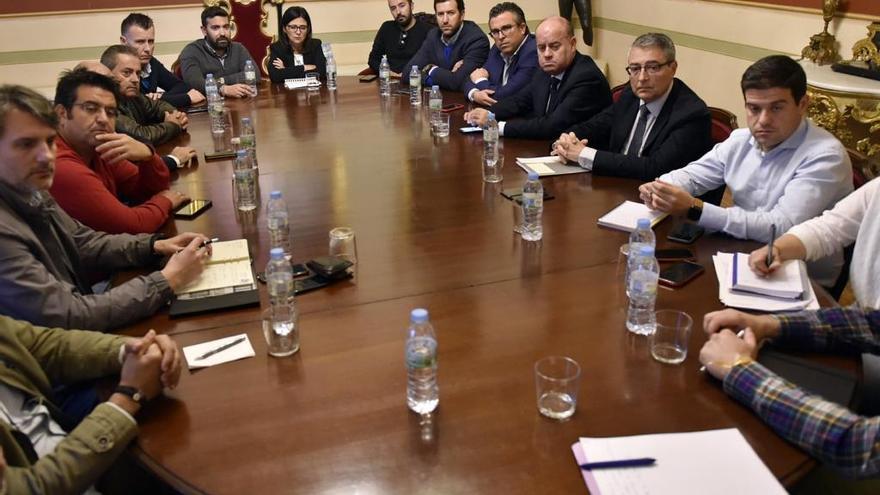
[398, 39]
[451, 51]
[139, 33]
[656, 126]
[568, 89]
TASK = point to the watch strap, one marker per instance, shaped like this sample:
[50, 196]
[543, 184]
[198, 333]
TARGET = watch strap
[133, 393]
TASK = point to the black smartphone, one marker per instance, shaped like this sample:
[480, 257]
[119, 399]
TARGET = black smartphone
[686, 233]
[219, 155]
[679, 274]
[515, 194]
[197, 109]
[309, 284]
[368, 78]
[451, 107]
[192, 209]
[673, 254]
[330, 267]
[299, 270]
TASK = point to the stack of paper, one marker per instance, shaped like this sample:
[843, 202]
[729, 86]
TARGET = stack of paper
[787, 282]
[723, 269]
[301, 83]
[627, 215]
[719, 462]
[548, 165]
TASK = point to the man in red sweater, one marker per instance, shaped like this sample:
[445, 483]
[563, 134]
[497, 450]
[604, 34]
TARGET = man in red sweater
[95, 166]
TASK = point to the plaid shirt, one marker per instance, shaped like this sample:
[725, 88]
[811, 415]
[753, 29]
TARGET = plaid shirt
[831, 433]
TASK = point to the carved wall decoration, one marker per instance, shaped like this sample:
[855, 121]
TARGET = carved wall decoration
[854, 119]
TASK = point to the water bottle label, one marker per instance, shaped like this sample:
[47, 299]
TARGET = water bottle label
[421, 353]
[250, 75]
[643, 284]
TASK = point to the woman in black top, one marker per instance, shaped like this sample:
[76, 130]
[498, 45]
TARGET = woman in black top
[297, 52]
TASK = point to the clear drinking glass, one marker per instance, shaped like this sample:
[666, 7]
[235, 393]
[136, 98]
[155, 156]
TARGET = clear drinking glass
[492, 168]
[342, 244]
[669, 342]
[557, 380]
[441, 128]
[281, 330]
[312, 80]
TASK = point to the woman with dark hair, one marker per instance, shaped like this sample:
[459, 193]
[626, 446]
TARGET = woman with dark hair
[296, 53]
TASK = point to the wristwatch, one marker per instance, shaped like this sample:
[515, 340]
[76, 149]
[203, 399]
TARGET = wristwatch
[695, 211]
[133, 393]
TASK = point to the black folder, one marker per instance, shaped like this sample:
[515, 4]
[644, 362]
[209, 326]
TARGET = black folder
[183, 307]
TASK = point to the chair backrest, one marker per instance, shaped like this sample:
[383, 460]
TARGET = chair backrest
[723, 123]
[175, 68]
[426, 17]
[616, 91]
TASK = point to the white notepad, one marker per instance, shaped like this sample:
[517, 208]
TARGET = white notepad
[717, 462]
[546, 166]
[238, 351]
[724, 264]
[228, 268]
[300, 83]
[626, 216]
[787, 282]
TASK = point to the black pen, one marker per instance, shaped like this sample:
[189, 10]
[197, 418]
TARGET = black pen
[642, 461]
[209, 241]
[221, 348]
[769, 259]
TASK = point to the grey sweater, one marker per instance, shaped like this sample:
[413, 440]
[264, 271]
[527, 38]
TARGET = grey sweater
[198, 59]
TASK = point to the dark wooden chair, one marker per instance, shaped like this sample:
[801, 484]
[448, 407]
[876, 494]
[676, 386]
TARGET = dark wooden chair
[616, 91]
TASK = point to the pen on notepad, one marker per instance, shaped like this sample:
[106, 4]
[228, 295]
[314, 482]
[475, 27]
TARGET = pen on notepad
[739, 334]
[769, 260]
[209, 241]
[642, 461]
[221, 348]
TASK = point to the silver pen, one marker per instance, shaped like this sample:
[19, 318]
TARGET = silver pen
[221, 348]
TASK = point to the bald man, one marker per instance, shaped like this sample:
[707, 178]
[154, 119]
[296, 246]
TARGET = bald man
[568, 89]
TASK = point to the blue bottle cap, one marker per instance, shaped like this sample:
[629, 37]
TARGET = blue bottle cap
[533, 175]
[275, 195]
[245, 120]
[644, 223]
[646, 251]
[491, 116]
[418, 315]
[435, 88]
[276, 253]
[241, 153]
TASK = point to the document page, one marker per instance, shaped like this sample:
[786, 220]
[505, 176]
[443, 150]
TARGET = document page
[626, 215]
[221, 275]
[224, 251]
[719, 462]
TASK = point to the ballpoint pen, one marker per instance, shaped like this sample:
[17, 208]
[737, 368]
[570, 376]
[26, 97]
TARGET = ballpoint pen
[739, 334]
[209, 241]
[769, 260]
[621, 463]
[221, 348]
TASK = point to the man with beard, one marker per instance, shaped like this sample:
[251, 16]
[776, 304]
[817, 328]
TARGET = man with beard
[452, 50]
[217, 54]
[398, 39]
[138, 32]
[95, 166]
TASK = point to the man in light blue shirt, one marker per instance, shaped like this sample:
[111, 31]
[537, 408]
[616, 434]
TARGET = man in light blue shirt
[780, 171]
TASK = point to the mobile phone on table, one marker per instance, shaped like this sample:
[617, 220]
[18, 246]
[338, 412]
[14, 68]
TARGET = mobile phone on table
[299, 270]
[673, 254]
[367, 78]
[686, 233]
[219, 155]
[192, 209]
[515, 194]
[680, 274]
[469, 129]
[451, 107]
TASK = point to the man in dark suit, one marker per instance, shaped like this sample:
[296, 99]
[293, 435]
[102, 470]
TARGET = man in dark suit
[512, 61]
[656, 126]
[451, 51]
[568, 89]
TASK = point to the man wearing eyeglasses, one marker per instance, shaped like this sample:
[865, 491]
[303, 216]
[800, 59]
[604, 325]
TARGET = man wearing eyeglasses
[657, 125]
[452, 50]
[569, 88]
[398, 39]
[512, 61]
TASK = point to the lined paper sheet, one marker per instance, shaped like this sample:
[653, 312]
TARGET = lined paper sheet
[627, 214]
[724, 264]
[241, 350]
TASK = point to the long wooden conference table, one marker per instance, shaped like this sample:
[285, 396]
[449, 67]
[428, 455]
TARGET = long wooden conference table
[332, 418]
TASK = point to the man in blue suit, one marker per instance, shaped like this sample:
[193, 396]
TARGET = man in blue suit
[512, 61]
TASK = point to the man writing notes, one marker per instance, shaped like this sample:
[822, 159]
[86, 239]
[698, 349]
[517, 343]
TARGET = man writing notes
[657, 125]
[45, 255]
[451, 51]
[44, 452]
[398, 39]
[781, 171]
[139, 33]
[569, 88]
[216, 54]
[512, 61]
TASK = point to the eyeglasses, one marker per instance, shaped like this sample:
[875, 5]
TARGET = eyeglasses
[652, 68]
[505, 30]
[92, 108]
[297, 28]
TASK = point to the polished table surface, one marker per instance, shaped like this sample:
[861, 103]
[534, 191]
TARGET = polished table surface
[332, 418]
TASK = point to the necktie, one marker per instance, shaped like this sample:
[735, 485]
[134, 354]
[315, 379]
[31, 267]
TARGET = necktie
[635, 146]
[551, 101]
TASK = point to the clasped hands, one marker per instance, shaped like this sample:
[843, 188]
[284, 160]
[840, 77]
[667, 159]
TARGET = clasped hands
[665, 197]
[149, 364]
[568, 146]
[724, 349]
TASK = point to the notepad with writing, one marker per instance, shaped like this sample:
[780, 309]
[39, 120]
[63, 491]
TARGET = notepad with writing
[723, 263]
[546, 166]
[226, 282]
[787, 282]
[719, 462]
[626, 215]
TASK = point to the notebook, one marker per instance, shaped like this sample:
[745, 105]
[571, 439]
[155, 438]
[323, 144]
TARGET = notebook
[300, 83]
[227, 282]
[546, 166]
[627, 214]
[787, 282]
[745, 300]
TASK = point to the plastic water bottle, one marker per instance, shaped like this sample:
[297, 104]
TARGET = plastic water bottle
[384, 77]
[415, 86]
[640, 317]
[215, 105]
[250, 76]
[331, 73]
[435, 104]
[642, 236]
[282, 335]
[532, 208]
[422, 395]
[248, 140]
[490, 138]
[279, 223]
[245, 178]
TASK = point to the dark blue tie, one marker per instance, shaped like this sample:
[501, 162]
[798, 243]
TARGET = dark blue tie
[635, 146]
[551, 100]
